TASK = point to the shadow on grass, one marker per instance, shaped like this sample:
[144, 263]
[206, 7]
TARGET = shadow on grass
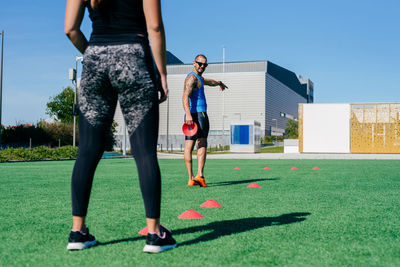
[241, 182]
[224, 228]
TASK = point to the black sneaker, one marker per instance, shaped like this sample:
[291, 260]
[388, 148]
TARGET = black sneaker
[156, 243]
[80, 240]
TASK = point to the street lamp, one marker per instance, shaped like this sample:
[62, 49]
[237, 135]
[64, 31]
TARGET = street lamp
[276, 128]
[168, 123]
[124, 140]
[1, 77]
[73, 78]
[223, 92]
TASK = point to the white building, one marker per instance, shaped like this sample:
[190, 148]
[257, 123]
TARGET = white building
[349, 128]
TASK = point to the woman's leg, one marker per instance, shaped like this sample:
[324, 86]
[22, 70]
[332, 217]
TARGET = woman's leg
[91, 148]
[97, 101]
[133, 76]
[144, 149]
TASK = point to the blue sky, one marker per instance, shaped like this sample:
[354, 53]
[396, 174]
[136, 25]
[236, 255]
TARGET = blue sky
[349, 49]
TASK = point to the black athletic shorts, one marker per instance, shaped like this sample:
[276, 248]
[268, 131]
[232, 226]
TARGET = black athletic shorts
[203, 125]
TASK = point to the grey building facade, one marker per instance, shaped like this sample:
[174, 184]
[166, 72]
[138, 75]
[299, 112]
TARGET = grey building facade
[258, 90]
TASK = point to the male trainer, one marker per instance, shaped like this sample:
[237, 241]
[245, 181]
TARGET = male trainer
[195, 106]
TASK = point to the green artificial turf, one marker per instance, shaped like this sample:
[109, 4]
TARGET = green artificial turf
[345, 214]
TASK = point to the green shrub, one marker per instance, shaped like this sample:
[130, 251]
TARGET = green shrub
[38, 153]
[67, 152]
[270, 139]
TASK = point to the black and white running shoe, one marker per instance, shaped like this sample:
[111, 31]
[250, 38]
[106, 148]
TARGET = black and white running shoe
[80, 240]
[157, 244]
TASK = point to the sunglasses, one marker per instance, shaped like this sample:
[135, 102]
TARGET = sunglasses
[201, 64]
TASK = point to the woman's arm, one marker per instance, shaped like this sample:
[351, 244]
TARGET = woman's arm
[73, 18]
[155, 29]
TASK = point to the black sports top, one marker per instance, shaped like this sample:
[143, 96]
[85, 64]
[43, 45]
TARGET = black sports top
[117, 21]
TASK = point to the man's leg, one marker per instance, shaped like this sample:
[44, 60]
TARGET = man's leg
[204, 127]
[189, 144]
[201, 160]
[201, 155]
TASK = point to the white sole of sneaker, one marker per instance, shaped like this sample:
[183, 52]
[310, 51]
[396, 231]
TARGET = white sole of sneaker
[81, 245]
[158, 249]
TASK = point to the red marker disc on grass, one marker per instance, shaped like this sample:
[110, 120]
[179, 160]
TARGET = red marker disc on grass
[190, 214]
[189, 130]
[210, 204]
[253, 185]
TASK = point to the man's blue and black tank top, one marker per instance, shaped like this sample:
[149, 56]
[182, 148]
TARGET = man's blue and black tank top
[197, 100]
[117, 21]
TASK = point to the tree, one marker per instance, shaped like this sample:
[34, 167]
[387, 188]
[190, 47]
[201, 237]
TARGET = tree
[60, 106]
[292, 129]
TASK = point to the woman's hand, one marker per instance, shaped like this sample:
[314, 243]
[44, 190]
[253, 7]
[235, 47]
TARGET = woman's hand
[163, 90]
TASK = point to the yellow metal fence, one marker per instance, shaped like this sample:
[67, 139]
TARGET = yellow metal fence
[375, 128]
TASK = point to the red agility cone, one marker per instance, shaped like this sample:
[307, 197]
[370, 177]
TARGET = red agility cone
[315, 168]
[293, 168]
[266, 168]
[210, 204]
[190, 214]
[144, 231]
[253, 185]
[237, 168]
[189, 130]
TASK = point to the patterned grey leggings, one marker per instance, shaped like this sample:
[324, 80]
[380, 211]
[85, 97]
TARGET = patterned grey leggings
[110, 73]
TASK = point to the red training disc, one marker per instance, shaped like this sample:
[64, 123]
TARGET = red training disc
[189, 130]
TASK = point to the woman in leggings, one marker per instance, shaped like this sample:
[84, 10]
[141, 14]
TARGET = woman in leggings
[118, 66]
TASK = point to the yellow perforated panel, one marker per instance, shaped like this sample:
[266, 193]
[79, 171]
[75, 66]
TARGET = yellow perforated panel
[375, 128]
[300, 128]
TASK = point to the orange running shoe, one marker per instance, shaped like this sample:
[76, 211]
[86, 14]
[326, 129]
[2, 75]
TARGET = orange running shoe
[192, 183]
[201, 181]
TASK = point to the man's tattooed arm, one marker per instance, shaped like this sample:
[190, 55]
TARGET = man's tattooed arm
[211, 82]
[190, 85]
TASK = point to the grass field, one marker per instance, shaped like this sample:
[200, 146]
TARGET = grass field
[272, 149]
[345, 214]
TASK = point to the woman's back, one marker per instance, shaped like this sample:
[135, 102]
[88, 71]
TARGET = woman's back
[117, 21]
